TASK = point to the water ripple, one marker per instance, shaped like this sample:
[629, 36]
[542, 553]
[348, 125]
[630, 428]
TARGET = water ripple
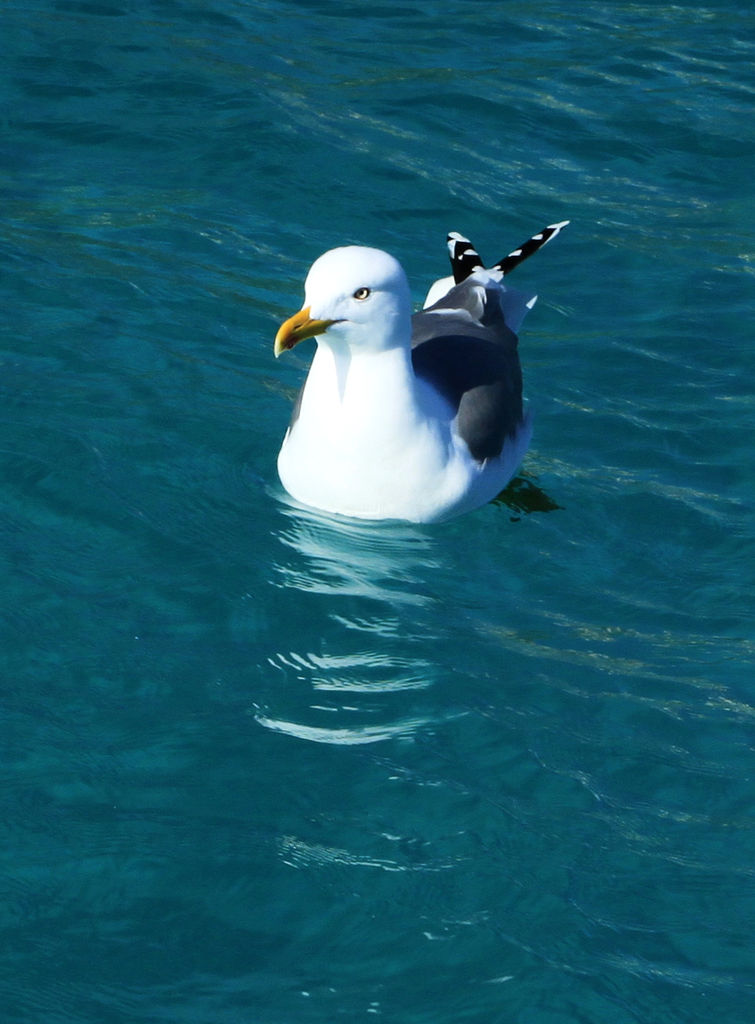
[342, 736]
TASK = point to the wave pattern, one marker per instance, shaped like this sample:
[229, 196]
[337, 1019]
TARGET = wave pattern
[263, 764]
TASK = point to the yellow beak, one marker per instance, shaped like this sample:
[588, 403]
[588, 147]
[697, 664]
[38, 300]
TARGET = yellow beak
[297, 328]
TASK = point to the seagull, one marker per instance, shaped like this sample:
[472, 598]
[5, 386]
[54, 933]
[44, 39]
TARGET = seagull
[409, 417]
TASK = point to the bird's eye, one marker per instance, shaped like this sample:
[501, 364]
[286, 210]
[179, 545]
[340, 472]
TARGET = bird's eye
[361, 293]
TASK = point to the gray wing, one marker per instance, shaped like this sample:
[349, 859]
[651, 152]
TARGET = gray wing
[465, 347]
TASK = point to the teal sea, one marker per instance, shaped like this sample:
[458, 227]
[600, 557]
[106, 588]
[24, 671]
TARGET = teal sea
[265, 766]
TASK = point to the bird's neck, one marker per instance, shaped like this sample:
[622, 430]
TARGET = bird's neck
[372, 390]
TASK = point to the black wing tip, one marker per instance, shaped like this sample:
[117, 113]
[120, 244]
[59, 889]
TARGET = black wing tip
[464, 257]
[526, 249]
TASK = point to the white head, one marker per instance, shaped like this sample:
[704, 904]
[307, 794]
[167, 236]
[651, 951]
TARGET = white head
[357, 295]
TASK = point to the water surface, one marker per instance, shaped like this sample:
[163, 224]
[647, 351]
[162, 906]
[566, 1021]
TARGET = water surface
[264, 765]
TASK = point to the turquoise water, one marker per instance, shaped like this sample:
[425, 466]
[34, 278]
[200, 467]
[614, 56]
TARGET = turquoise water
[265, 766]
